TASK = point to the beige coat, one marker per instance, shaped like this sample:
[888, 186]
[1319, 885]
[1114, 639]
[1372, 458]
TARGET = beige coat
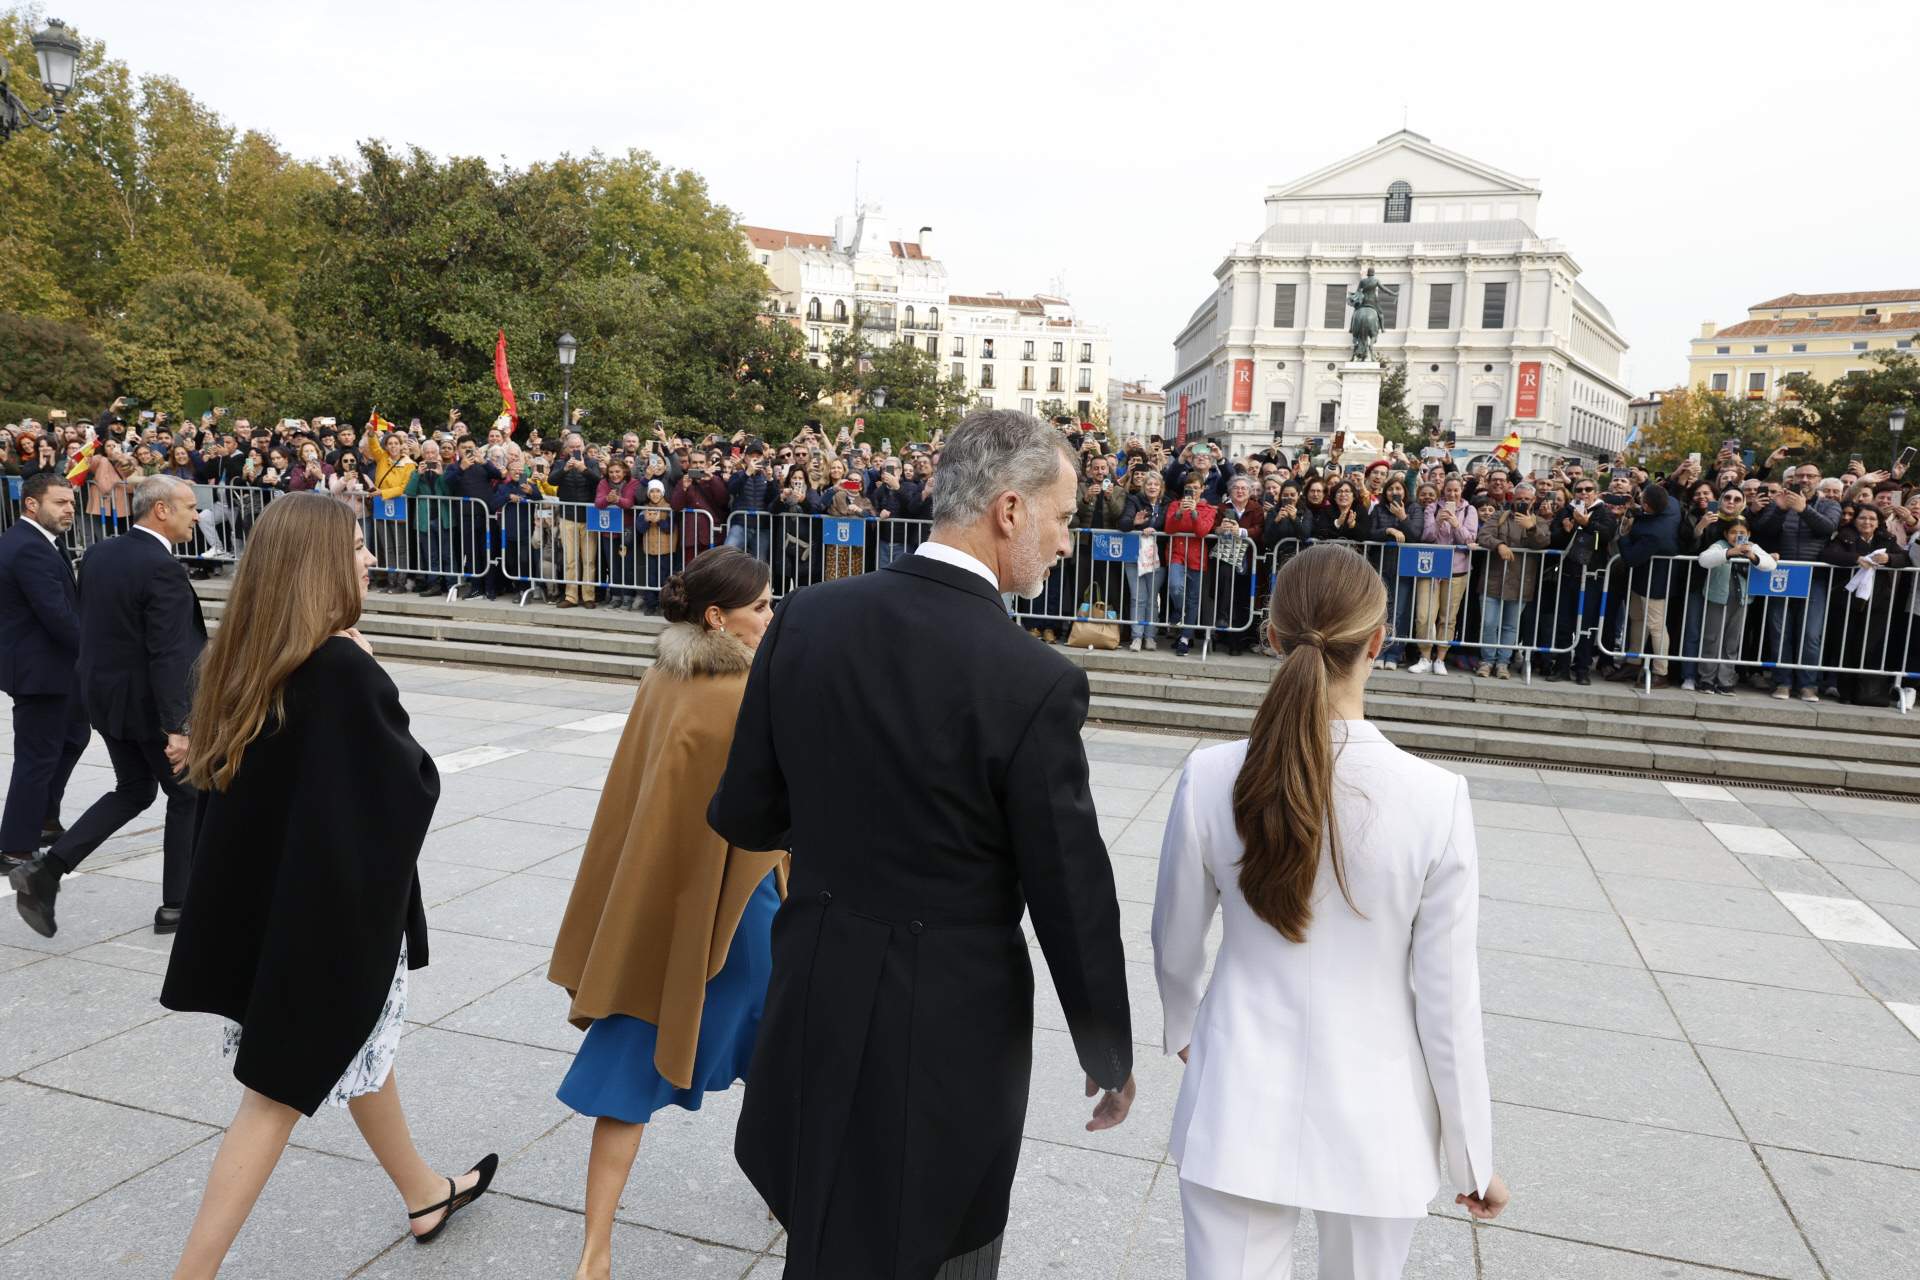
[658, 895]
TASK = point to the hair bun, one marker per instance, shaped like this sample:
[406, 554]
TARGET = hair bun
[673, 599]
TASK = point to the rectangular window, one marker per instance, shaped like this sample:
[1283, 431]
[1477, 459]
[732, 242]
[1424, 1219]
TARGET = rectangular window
[1053, 380]
[1493, 306]
[1859, 346]
[959, 371]
[1719, 382]
[1026, 349]
[1085, 409]
[986, 348]
[1086, 380]
[1483, 419]
[959, 346]
[1723, 351]
[1026, 404]
[1440, 306]
[1059, 351]
[1026, 377]
[1799, 347]
[986, 375]
[1429, 413]
[986, 402]
[933, 346]
[1759, 348]
[1903, 344]
[1086, 353]
[1336, 312]
[1277, 416]
[1328, 408]
[1389, 307]
[1283, 296]
[1756, 382]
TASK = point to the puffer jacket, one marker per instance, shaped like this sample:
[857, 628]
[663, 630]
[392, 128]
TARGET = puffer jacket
[1797, 535]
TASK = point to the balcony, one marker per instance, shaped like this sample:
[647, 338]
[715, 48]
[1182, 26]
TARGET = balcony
[882, 324]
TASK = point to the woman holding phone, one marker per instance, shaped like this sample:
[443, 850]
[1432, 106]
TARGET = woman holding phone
[666, 947]
[1335, 1054]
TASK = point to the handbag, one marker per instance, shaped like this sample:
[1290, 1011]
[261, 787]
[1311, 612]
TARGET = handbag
[1149, 560]
[1230, 552]
[1095, 627]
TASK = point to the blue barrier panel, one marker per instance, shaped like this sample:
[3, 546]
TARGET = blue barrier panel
[843, 532]
[605, 520]
[1426, 562]
[13, 487]
[1786, 582]
[1119, 547]
[389, 508]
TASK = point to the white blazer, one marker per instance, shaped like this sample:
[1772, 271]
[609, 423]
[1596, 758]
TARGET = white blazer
[1330, 1074]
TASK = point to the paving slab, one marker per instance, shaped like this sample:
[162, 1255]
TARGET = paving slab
[1073, 1211]
[1608, 1074]
[1547, 884]
[1821, 1107]
[1596, 936]
[520, 908]
[1694, 902]
[462, 967]
[1863, 1220]
[1740, 955]
[498, 843]
[1604, 996]
[50, 1009]
[1855, 1030]
[1516, 1255]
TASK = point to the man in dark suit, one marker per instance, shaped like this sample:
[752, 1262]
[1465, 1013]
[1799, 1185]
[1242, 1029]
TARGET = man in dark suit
[140, 631]
[889, 1085]
[39, 643]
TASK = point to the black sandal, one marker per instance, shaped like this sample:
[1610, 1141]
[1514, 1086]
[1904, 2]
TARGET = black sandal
[458, 1200]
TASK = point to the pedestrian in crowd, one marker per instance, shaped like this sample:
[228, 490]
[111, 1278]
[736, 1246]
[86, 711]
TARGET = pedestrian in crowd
[431, 513]
[349, 484]
[141, 631]
[392, 475]
[699, 500]
[1649, 539]
[1190, 521]
[1729, 560]
[1583, 533]
[576, 483]
[665, 947]
[1237, 528]
[107, 493]
[1863, 554]
[471, 479]
[1281, 1108]
[1450, 522]
[1515, 539]
[1142, 517]
[618, 490]
[303, 921]
[751, 493]
[797, 526]
[1797, 525]
[843, 560]
[514, 501]
[39, 636]
[1393, 522]
[852, 1129]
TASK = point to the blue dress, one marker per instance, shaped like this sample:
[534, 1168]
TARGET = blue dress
[613, 1074]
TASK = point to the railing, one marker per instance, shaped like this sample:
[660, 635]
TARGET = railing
[433, 542]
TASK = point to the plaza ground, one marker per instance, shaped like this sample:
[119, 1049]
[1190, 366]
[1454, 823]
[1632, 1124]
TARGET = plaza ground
[1702, 1017]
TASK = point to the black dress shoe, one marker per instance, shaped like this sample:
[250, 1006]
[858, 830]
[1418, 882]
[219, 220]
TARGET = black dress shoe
[8, 861]
[166, 919]
[1581, 677]
[49, 834]
[35, 886]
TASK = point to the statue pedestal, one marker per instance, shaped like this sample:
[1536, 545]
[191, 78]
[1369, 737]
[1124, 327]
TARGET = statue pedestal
[1360, 406]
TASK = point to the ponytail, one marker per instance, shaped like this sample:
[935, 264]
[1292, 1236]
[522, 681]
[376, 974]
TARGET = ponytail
[1327, 603]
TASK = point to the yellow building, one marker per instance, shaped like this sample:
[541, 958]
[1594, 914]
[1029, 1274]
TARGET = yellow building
[1826, 335]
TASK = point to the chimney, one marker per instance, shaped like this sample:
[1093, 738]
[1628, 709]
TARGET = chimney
[926, 242]
[1708, 328]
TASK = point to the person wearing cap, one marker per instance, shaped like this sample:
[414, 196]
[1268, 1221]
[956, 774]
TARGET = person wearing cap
[657, 545]
[750, 496]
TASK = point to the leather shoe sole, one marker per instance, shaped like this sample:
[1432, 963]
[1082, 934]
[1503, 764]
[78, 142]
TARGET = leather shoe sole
[34, 889]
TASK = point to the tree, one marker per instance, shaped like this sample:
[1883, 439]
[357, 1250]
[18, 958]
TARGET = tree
[1849, 415]
[1696, 420]
[920, 396]
[1398, 427]
[52, 360]
[194, 329]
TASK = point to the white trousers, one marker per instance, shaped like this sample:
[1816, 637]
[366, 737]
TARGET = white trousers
[1232, 1238]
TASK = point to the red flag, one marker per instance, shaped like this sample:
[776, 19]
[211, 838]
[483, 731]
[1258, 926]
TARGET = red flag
[504, 382]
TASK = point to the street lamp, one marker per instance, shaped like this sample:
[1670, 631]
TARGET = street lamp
[879, 396]
[58, 52]
[568, 350]
[1896, 423]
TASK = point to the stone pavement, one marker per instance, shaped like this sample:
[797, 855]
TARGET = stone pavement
[1695, 1001]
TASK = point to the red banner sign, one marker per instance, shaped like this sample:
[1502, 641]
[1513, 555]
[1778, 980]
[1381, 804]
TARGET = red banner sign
[1180, 438]
[1243, 386]
[1526, 400]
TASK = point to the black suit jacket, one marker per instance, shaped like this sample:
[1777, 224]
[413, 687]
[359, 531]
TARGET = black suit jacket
[140, 631]
[889, 1083]
[39, 614]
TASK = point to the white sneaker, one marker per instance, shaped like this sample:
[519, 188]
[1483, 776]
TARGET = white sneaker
[217, 553]
[1781, 693]
[1135, 646]
[1809, 694]
[1440, 668]
[1388, 664]
[1152, 644]
[1906, 698]
[1420, 668]
[1688, 685]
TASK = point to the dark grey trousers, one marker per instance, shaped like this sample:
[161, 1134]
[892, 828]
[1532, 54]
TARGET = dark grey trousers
[981, 1264]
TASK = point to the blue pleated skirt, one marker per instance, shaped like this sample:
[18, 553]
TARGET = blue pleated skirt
[613, 1074]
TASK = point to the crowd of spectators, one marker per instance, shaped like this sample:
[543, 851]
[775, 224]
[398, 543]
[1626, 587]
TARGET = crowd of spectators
[1577, 571]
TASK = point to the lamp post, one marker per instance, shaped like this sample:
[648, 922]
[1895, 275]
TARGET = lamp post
[568, 349]
[879, 397]
[1896, 423]
[58, 52]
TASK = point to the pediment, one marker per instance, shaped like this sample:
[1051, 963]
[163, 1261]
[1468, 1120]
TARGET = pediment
[1404, 157]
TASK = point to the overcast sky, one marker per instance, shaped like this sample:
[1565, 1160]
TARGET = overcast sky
[1695, 158]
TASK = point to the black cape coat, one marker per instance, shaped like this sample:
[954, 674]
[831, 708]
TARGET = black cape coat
[889, 1083]
[296, 906]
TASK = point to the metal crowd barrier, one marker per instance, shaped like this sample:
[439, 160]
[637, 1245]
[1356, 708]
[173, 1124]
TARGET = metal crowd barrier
[589, 552]
[1506, 609]
[804, 550]
[437, 540]
[1805, 623]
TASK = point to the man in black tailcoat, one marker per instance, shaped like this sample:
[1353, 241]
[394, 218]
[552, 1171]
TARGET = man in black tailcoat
[889, 1086]
[39, 642]
[140, 631]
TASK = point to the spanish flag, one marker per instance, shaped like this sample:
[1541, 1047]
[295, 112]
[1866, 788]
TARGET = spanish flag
[1509, 449]
[379, 426]
[82, 461]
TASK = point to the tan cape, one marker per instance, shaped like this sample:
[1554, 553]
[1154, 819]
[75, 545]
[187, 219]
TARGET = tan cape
[658, 894]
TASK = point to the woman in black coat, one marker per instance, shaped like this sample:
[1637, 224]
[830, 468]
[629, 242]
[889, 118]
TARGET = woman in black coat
[1864, 627]
[301, 922]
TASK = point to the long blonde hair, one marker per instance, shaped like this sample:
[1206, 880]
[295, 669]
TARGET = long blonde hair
[296, 584]
[1327, 603]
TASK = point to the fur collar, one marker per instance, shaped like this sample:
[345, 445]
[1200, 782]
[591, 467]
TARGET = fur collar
[689, 649]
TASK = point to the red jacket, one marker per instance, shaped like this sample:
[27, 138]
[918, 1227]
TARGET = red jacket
[698, 532]
[1190, 548]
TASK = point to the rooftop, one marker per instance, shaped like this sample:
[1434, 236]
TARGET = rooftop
[768, 238]
[1903, 320]
[1838, 299]
[1027, 306]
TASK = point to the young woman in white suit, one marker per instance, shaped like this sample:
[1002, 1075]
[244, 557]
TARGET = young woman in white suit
[1336, 1052]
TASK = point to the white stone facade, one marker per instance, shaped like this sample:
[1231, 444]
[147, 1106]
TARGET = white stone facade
[1031, 354]
[1135, 410]
[1472, 299]
[865, 268]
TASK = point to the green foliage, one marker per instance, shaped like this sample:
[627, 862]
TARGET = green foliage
[194, 329]
[1849, 415]
[1699, 421]
[54, 360]
[1398, 427]
[921, 396]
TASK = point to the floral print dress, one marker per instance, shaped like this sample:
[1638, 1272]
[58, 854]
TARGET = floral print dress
[368, 1071]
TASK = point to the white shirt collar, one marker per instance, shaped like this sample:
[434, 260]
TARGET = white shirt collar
[159, 537]
[960, 560]
[48, 534]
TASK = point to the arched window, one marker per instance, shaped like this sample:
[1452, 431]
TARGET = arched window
[813, 308]
[910, 323]
[840, 310]
[1400, 203]
[933, 317]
